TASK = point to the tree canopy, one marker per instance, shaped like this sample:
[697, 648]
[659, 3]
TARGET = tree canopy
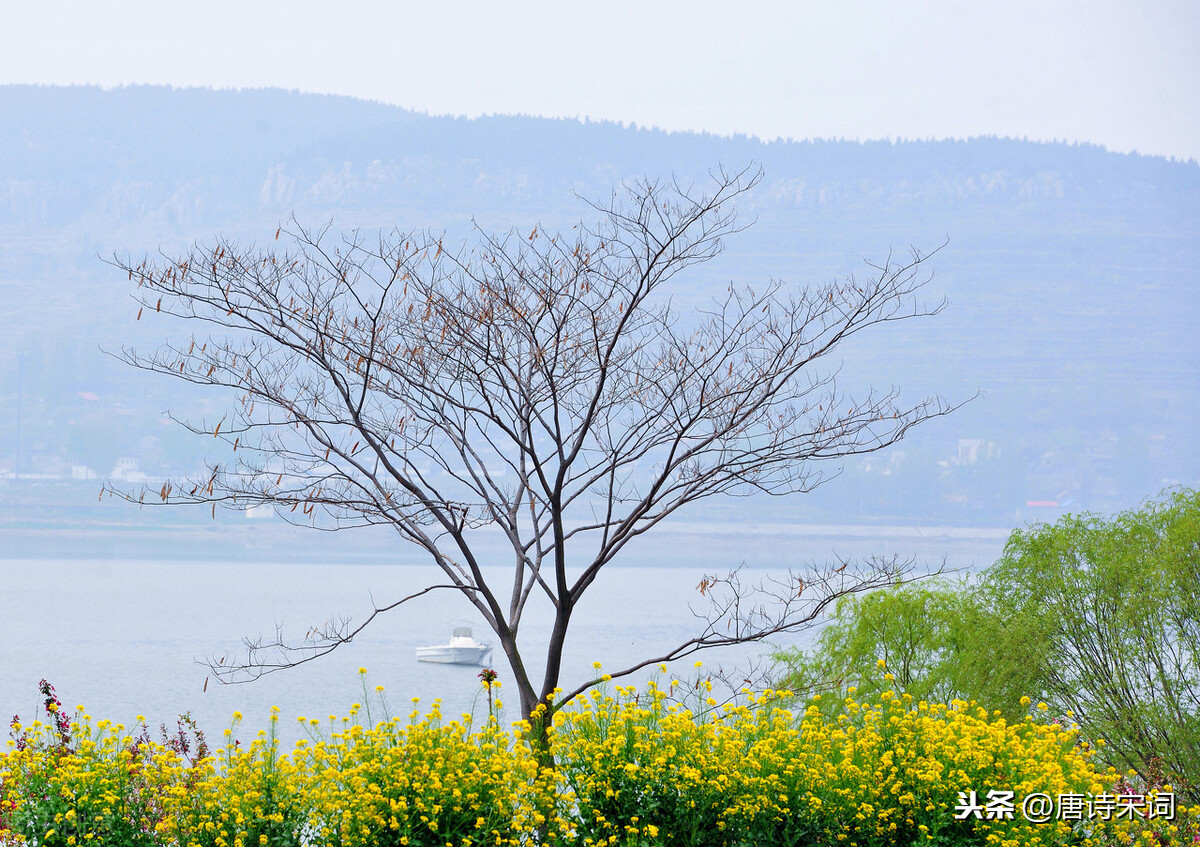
[1096, 617]
[1100, 618]
[540, 385]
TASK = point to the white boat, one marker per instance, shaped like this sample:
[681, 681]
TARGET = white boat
[463, 649]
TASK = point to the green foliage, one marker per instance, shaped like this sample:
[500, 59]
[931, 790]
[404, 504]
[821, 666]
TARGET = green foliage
[265, 809]
[98, 785]
[914, 633]
[635, 769]
[1097, 617]
[1101, 619]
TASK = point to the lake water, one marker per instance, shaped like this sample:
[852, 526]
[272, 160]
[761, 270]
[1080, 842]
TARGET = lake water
[122, 636]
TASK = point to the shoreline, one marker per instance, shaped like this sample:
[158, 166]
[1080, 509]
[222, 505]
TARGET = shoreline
[279, 542]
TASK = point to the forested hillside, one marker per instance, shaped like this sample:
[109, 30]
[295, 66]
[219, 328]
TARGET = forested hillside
[1072, 275]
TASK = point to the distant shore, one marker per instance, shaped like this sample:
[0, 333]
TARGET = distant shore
[820, 530]
[230, 538]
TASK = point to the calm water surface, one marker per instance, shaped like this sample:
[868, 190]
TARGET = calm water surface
[122, 637]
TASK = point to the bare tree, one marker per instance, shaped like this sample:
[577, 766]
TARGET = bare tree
[539, 385]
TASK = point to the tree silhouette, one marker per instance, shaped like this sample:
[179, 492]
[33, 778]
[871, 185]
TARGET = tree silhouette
[540, 385]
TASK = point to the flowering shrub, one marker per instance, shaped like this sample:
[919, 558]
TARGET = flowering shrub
[67, 781]
[426, 782]
[641, 770]
[877, 773]
[632, 768]
[238, 798]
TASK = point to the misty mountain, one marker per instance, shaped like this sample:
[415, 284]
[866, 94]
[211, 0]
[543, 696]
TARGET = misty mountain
[1071, 274]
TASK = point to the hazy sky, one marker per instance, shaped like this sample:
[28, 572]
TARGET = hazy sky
[1120, 73]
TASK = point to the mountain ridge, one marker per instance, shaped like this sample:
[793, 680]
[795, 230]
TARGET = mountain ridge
[1071, 269]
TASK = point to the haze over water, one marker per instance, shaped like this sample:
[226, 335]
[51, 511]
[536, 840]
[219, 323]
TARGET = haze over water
[1069, 271]
[121, 636]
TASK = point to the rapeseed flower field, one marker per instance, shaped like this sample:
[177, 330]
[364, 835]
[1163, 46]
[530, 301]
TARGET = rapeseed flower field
[632, 767]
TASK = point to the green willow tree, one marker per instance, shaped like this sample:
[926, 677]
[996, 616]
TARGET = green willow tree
[1097, 617]
[1100, 618]
[915, 633]
[542, 386]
